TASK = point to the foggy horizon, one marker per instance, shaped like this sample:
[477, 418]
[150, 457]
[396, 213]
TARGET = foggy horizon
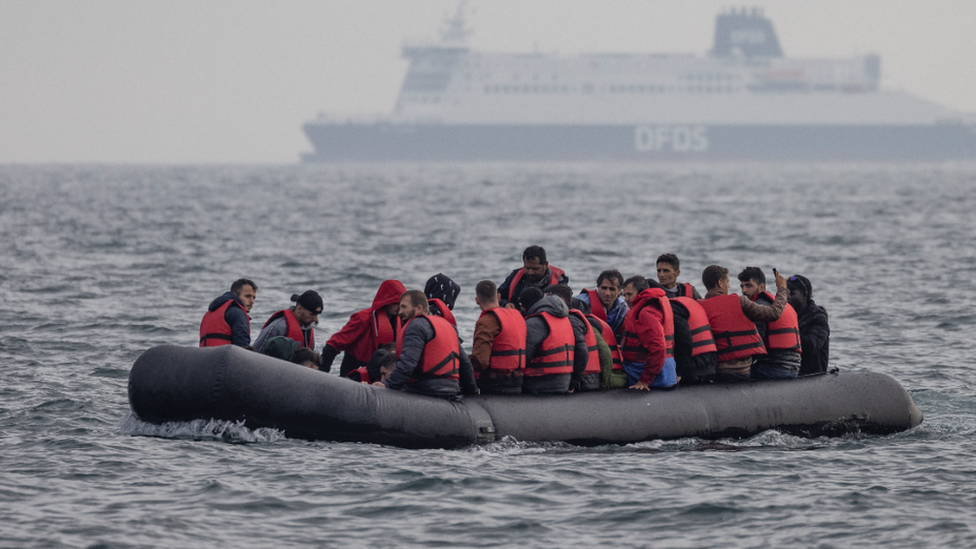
[110, 81]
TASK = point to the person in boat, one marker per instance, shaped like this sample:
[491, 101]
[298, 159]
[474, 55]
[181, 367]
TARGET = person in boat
[694, 346]
[430, 360]
[781, 337]
[442, 293]
[366, 331]
[296, 322]
[550, 345]
[648, 336]
[586, 358]
[226, 321]
[606, 302]
[732, 318]
[535, 272]
[814, 328]
[378, 368]
[667, 275]
[498, 353]
[306, 357]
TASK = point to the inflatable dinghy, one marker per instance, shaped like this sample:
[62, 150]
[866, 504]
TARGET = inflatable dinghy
[171, 383]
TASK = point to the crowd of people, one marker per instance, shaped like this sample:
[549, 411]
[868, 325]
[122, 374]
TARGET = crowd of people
[536, 336]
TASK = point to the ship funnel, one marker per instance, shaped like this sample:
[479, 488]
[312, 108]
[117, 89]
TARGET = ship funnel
[745, 32]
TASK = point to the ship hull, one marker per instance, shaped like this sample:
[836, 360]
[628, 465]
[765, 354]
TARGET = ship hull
[397, 142]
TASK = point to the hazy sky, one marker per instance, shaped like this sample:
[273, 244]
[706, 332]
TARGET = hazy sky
[198, 81]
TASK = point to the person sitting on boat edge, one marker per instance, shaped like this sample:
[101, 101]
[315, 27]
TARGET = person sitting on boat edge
[430, 360]
[606, 302]
[498, 351]
[780, 337]
[535, 272]
[442, 293]
[732, 318]
[648, 337]
[226, 321]
[667, 275]
[586, 355]
[813, 324]
[295, 322]
[378, 368]
[695, 356]
[549, 343]
[366, 330]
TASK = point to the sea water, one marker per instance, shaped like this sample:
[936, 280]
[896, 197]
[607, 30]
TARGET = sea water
[100, 263]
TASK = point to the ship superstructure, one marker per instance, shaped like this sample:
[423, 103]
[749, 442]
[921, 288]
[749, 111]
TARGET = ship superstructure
[742, 101]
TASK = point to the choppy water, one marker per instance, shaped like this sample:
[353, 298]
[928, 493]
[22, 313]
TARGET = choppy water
[97, 264]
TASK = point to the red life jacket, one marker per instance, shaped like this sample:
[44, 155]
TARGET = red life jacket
[384, 330]
[701, 332]
[607, 332]
[593, 352]
[688, 291]
[631, 347]
[596, 306]
[735, 335]
[361, 374]
[441, 356]
[783, 333]
[554, 274]
[555, 353]
[295, 331]
[508, 347]
[442, 309]
[214, 330]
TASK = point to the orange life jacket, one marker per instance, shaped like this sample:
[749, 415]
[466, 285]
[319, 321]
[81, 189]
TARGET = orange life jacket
[295, 331]
[735, 335]
[596, 306]
[441, 356]
[214, 330]
[508, 347]
[554, 274]
[632, 348]
[784, 332]
[702, 340]
[593, 352]
[555, 353]
[607, 332]
[442, 309]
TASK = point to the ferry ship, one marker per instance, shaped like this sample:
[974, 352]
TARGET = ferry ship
[742, 101]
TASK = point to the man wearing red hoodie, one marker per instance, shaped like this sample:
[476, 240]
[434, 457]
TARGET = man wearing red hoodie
[648, 336]
[367, 330]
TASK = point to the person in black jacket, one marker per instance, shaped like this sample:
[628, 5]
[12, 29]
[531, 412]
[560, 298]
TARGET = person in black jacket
[814, 328]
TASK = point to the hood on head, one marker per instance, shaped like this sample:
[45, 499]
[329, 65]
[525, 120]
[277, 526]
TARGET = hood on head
[388, 294]
[552, 305]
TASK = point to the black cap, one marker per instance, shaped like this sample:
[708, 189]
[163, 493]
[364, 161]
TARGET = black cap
[311, 301]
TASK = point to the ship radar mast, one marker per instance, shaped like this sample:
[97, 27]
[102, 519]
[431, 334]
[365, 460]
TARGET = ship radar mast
[453, 31]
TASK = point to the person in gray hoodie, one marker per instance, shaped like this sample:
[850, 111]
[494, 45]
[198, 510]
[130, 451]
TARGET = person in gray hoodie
[549, 343]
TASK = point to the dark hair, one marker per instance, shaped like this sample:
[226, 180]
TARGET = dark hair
[417, 299]
[238, 286]
[486, 291]
[610, 273]
[530, 296]
[638, 282]
[670, 259]
[303, 355]
[752, 273]
[712, 275]
[562, 291]
[802, 283]
[534, 252]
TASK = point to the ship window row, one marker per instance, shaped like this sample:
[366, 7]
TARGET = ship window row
[529, 89]
[713, 77]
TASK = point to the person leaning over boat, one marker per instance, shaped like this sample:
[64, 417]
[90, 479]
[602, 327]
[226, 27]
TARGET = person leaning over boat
[732, 319]
[226, 321]
[498, 354]
[536, 271]
[648, 337]
[667, 275]
[606, 302]
[430, 360]
[695, 355]
[586, 355]
[367, 330]
[378, 368]
[814, 328]
[780, 337]
[295, 323]
[549, 343]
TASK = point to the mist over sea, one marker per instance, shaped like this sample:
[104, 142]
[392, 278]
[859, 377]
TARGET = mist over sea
[100, 263]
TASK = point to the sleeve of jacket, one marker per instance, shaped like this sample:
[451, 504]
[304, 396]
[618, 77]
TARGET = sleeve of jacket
[485, 331]
[277, 328]
[415, 338]
[354, 329]
[240, 328]
[815, 335]
[506, 288]
[466, 374]
[652, 338]
[581, 354]
[761, 313]
[536, 330]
